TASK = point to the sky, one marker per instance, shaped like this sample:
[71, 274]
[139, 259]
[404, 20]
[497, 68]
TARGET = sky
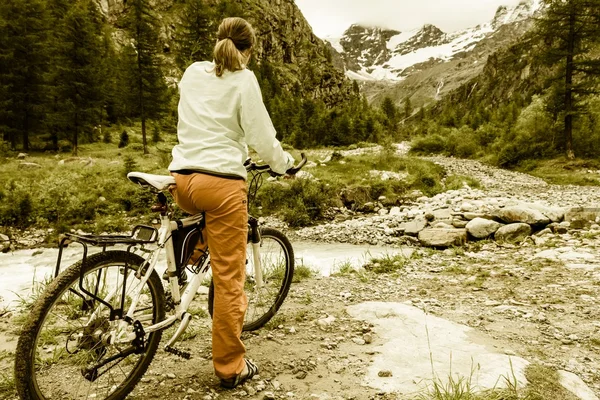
[333, 17]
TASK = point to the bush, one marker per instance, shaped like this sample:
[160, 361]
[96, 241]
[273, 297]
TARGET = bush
[124, 139]
[155, 134]
[300, 203]
[428, 145]
[462, 143]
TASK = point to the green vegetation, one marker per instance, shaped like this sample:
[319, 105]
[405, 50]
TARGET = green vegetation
[387, 263]
[93, 194]
[537, 99]
[7, 385]
[302, 272]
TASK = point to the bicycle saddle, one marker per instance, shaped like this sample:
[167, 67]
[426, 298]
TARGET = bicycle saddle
[159, 182]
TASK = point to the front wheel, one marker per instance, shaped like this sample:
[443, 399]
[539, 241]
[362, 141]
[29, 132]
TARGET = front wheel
[67, 348]
[276, 257]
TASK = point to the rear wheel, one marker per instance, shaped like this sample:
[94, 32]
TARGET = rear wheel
[64, 352]
[277, 268]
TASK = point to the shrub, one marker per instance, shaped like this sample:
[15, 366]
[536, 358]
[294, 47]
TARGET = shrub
[300, 203]
[428, 145]
[129, 165]
[155, 134]
[124, 139]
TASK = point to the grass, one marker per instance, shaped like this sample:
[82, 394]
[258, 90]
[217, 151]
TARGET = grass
[278, 319]
[344, 268]
[302, 272]
[7, 386]
[562, 171]
[387, 263]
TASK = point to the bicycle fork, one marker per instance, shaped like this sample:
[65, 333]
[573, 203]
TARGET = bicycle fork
[255, 240]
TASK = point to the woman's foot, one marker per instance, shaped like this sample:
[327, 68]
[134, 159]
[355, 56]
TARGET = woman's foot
[250, 369]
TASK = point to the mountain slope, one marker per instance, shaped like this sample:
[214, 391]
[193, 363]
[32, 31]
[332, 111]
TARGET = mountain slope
[284, 40]
[426, 63]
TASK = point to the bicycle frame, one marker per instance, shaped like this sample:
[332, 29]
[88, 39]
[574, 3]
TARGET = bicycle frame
[182, 300]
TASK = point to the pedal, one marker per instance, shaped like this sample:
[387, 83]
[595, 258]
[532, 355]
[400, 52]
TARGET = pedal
[178, 353]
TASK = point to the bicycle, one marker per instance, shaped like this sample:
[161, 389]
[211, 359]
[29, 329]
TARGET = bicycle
[99, 323]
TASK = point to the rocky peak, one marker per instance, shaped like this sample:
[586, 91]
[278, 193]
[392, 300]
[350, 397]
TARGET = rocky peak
[506, 15]
[367, 45]
[428, 36]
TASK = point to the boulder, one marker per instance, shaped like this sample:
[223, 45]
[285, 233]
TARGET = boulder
[459, 223]
[415, 226]
[21, 156]
[581, 217]
[522, 214]
[443, 237]
[29, 165]
[4, 243]
[555, 214]
[481, 228]
[513, 232]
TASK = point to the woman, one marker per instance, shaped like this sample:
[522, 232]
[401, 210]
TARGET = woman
[221, 111]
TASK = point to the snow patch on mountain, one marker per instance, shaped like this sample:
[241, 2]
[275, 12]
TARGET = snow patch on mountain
[377, 54]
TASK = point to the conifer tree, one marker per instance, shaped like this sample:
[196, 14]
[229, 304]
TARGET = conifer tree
[194, 36]
[390, 111]
[24, 60]
[407, 107]
[78, 73]
[569, 28]
[145, 84]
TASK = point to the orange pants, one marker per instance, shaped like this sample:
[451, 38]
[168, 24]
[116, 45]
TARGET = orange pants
[224, 203]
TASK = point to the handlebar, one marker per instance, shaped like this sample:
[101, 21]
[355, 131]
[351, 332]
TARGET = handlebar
[252, 166]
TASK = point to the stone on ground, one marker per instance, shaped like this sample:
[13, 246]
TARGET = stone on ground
[513, 232]
[443, 237]
[481, 228]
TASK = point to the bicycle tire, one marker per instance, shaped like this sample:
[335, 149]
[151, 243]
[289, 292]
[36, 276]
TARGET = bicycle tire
[48, 308]
[281, 280]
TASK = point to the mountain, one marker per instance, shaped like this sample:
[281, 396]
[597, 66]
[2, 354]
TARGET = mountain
[426, 63]
[301, 61]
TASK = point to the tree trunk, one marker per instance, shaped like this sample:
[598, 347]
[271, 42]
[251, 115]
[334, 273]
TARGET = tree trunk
[569, 85]
[26, 131]
[75, 135]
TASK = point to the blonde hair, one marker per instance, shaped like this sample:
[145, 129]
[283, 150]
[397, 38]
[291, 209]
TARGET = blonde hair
[235, 38]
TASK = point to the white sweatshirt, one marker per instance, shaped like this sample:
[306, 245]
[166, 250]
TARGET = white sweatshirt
[218, 118]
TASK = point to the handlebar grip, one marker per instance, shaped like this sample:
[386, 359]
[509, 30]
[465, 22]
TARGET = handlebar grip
[294, 170]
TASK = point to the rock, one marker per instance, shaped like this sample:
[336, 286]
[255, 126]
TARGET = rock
[269, 396]
[522, 214]
[4, 238]
[575, 385]
[544, 232]
[29, 165]
[442, 225]
[481, 228]
[472, 215]
[384, 374]
[22, 156]
[555, 214]
[457, 223]
[443, 237]
[580, 217]
[513, 233]
[325, 323]
[415, 226]
[442, 213]
[395, 211]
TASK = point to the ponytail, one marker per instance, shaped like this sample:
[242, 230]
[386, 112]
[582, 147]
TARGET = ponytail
[235, 38]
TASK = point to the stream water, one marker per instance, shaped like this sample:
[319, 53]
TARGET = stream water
[23, 272]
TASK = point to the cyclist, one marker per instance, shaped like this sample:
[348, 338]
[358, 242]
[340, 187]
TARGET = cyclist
[221, 112]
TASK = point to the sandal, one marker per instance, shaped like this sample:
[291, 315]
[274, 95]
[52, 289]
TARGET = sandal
[241, 378]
